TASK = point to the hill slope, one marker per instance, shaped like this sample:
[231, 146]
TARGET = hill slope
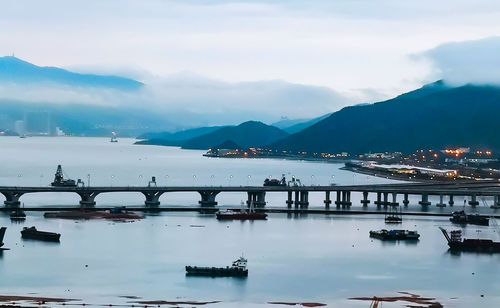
[434, 116]
[247, 134]
[16, 70]
[177, 138]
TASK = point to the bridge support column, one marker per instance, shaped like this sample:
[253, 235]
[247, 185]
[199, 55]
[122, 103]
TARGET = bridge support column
[304, 199]
[87, 199]
[473, 201]
[386, 199]
[365, 200]
[441, 203]
[289, 201]
[379, 199]
[347, 201]
[327, 199]
[394, 200]
[425, 200]
[496, 202]
[208, 197]
[451, 202]
[297, 199]
[405, 200]
[338, 201]
[12, 199]
[152, 198]
[257, 197]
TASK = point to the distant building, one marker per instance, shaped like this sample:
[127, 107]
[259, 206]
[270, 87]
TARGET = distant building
[37, 123]
[19, 127]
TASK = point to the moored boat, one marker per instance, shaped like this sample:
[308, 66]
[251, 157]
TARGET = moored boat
[455, 242]
[2, 234]
[237, 269]
[243, 214]
[34, 234]
[395, 235]
[460, 217]
[115, 214]
[17, 215]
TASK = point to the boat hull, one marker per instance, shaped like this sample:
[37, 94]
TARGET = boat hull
[40, 235]
[241, 216]
[216, 271]
[394, 236]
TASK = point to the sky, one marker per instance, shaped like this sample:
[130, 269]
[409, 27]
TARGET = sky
[361, 50]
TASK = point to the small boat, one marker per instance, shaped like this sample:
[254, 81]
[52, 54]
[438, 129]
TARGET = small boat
[243, 214]
[237, 269]
[34, 234]
[393, 217]
[460, 217]
[455, 242]
[2, 234]
[17, 215]
[386, 235]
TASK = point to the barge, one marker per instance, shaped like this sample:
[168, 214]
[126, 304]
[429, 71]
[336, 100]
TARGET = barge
[34, 234]
[237, 269]
[456, 243]
[119, 213]
[460, 217]
[394, 235]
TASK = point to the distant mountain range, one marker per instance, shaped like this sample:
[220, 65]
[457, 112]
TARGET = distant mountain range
[246, 135]
[16, 70]
[434, 116]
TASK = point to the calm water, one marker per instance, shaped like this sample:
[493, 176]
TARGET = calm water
[316, 258]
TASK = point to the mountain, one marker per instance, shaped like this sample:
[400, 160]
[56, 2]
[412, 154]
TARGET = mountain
[18, 71]
[434, 116]
[246, 135]
[177, 138]
[303, 125]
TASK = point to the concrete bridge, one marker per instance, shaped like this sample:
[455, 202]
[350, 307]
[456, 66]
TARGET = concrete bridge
[297, 196]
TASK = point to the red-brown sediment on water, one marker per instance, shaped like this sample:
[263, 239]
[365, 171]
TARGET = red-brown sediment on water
[429, 302]
[298, 304]
[162, 302]
[14, 298]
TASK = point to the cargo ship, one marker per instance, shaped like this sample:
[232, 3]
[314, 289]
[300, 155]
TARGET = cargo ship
[243, 214]
[460, 217]
[455, 242]
[393, 235]
[237, 269]
[33, 234]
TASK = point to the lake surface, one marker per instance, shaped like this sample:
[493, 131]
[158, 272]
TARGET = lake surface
[292, 258]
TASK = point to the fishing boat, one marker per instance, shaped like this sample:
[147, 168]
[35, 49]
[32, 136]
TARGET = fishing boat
[17, 215]
[460, 217]
[237, 269]
[395, 235]
[393, 217]
[455, 242]
[34, 234]
[243, 214]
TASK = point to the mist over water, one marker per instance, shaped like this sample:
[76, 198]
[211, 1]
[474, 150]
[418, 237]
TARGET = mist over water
[306, 258]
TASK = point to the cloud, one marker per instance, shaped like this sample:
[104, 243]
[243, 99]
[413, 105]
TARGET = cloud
[475, 61]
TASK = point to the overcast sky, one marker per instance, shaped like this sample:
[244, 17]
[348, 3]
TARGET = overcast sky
[364, 49]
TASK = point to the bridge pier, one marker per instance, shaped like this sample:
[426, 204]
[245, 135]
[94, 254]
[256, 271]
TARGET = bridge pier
[257, 197]
[152, 198]
[425, 200]
[297, 198]
[327, 199]
[365, 200]
[12, 199]
[386, 199]
[346, 199]
[208, 197]
[87, 199]
[441, 203]
[379, 199]
[304, 199]
[394, 200]
[496, 202]
[451, 202]
[338, 201]
[289, 201]
[405, 200]
[473, 201]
